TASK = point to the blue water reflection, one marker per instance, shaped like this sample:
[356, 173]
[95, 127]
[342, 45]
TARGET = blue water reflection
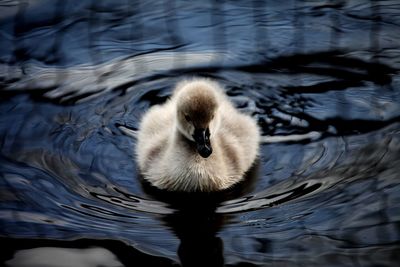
[321, 78]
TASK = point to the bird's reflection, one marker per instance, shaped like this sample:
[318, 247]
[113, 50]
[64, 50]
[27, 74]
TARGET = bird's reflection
[196, 223]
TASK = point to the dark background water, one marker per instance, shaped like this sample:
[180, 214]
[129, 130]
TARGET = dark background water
[320, 77]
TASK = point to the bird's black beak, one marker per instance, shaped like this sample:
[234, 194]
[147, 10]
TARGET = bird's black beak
[202, 138]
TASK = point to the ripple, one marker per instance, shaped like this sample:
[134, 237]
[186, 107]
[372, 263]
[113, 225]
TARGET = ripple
[321, 80]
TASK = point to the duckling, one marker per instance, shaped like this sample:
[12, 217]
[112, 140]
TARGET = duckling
[197, 140]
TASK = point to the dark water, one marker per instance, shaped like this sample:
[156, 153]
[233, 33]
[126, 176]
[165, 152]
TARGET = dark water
[321, 77]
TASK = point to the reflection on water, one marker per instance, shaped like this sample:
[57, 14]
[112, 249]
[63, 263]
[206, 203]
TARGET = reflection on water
[321, 78]
[57, 257]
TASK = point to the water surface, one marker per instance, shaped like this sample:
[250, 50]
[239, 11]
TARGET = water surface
[320, 77]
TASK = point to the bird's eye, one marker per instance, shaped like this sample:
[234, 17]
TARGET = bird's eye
[187, 118]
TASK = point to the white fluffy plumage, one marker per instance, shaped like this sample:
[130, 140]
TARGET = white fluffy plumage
[172, 156]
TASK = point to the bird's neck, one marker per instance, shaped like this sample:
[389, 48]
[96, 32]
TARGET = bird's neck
[179, 140]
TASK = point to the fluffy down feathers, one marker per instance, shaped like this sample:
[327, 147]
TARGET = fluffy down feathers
[167, 149]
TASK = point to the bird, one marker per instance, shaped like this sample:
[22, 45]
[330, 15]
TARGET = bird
[196, 141]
